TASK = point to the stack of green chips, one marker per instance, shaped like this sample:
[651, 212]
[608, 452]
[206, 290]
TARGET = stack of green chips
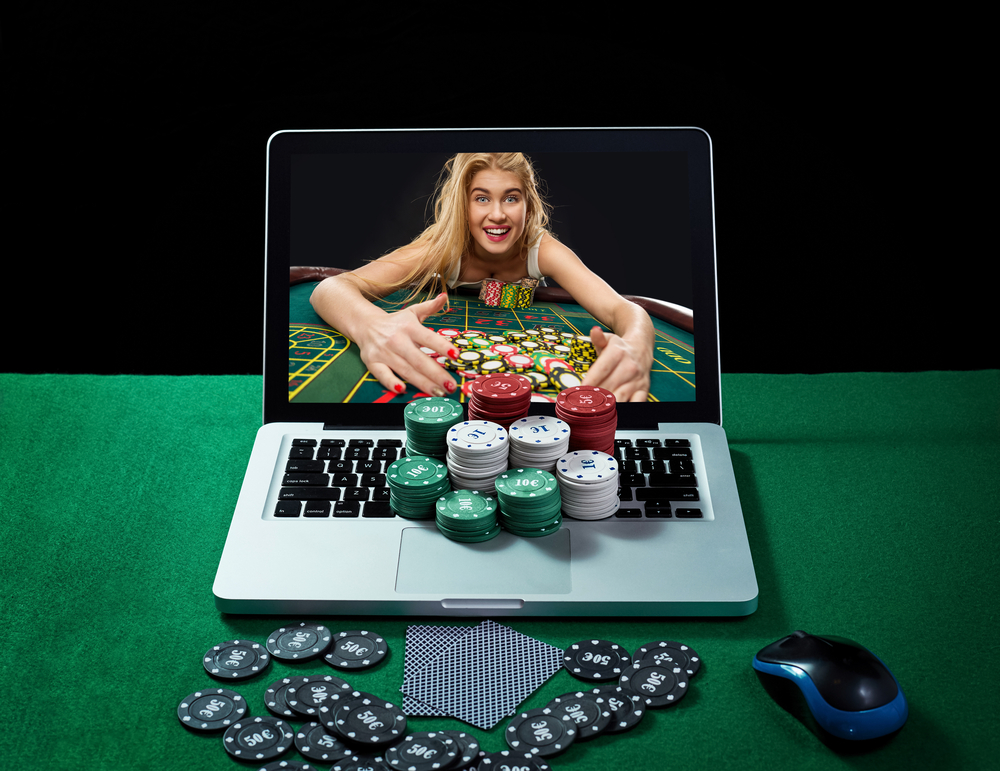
[415, 483]
[467, 516]
[427, 423]
[530, 503]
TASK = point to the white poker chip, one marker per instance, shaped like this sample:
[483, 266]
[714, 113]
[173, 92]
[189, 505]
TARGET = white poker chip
[537, 431]
[587, 466]
[476, 436]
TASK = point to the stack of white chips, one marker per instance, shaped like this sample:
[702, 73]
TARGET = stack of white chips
[588, 483]
[538, 441]
[477, 454]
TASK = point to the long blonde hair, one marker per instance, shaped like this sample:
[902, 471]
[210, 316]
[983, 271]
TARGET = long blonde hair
[447, 238]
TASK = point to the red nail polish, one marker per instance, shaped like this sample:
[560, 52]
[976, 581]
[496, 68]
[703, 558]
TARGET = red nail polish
[449, 386]
[453, 353]
[399, 388]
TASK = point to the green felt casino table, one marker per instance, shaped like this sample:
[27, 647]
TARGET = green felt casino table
[871, 503]
[325, 366]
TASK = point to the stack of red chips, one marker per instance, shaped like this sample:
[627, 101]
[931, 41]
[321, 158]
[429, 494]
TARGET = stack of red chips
[592, 415]
[500, 398]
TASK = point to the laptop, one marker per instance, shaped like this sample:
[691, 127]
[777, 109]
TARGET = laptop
[636, 205]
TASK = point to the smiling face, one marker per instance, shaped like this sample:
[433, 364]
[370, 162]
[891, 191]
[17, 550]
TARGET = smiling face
[497, 214]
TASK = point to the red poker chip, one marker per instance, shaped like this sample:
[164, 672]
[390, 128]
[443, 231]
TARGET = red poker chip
[587, 400]
[501, 387]
[449, 332]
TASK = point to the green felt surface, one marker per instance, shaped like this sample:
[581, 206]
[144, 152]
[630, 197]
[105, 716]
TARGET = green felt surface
[872, 504]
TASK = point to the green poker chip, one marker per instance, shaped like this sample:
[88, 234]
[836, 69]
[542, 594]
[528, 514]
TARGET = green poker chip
[427, 422]
[530, 502]
[415, 483]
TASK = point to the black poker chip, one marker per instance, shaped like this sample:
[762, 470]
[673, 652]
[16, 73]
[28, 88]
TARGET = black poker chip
[422, 751]
[468, 750]
[357, 649]
[506, 760]
[211, 709]
[359, 763]
[669, 652]
[314, 742]
[627, 708]
[658, 685]
[364, 719]
[257, 739]
[288, 765]
[236, 660]
[596, 660]
[299, 642]
[589, 710]
[540, 732]
[307, 694]
[276, 697]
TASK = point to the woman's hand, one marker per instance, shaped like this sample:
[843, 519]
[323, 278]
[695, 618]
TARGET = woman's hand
[621, 367]
[390, 347]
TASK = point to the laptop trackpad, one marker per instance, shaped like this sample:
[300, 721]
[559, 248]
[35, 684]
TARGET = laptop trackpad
[507, 565]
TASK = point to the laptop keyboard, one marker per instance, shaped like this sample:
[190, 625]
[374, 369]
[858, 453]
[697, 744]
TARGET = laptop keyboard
[330, 478]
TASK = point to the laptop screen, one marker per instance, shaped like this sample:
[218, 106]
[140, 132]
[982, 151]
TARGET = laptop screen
[635, 205]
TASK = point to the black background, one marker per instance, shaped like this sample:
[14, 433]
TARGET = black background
[134, 166]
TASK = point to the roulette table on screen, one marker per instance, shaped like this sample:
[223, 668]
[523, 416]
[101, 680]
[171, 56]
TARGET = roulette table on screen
[325, 366]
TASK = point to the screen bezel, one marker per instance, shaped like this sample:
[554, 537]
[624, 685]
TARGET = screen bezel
[694, 142]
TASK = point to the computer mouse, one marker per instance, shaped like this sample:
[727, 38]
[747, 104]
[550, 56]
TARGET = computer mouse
[847, 688]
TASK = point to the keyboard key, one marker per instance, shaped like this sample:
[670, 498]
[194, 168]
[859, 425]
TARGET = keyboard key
[657, 512]
[633, 480]
[345, 480]
[652, 466]
[301, 453]
[347, 509]
[303, 443]
[368, 467]
[624, 493]
[636, 453]
[378, 509]
[666, 453]
[688, 513]
[356, 453]
[309, 494]
[390, 443]
[388, 454]
[380, 493]
[356, 494]
[623, 442]
[341, 466]
[332, 443]
[328, 453]
[287, 509]
[306, 480]
[682, 467]
[361, 443]
[661, 496]
[628, 514]
[304, 466]
[317, 509]
[648, 443]
[373, 480]
[673, 480]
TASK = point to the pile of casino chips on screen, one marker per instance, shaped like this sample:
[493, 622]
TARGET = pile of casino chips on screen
[477, 454]
[592, 415]
[549, 359]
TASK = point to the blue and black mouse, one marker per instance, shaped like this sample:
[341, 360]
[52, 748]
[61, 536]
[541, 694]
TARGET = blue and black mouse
[848, 689]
